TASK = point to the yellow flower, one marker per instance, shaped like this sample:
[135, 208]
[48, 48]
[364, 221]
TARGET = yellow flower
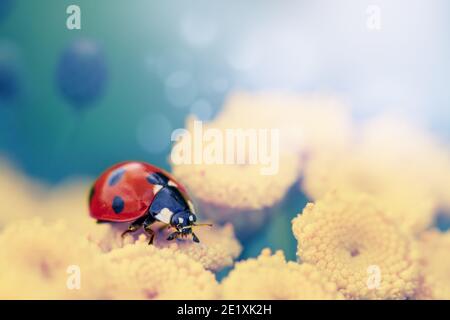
[409, 148]
[435, 262]
[392, 192]
[357, 247]
[69, 202]
[37, 261]
[394, 162]
[250, 187]
[238, 187]
[146, 272]
[306, 122]
[21, 194]
[26, 198]
[239, 193]
[218, 247]
[271, 277]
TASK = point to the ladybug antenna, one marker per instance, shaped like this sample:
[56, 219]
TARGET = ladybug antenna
[202, 225]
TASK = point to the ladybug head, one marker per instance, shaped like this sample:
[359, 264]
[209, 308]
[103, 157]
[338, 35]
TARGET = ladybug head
[183, 221]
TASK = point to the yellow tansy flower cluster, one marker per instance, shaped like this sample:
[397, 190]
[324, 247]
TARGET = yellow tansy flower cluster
[36, 260]
[237, 193]
[271, 277]
[435, 263]
[39, 263]
[399, 164]
[240, 193]
[306, 122]
[17, 187]
[218, 247]
[356, 245]
[147, 272]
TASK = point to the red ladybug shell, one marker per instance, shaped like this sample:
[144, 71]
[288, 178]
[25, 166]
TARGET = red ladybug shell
[122, 193]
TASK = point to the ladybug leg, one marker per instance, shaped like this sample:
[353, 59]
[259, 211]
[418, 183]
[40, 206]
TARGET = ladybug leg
[147, 223]
[173, 236]
[166, 226]
[195, 238]
[150, 233]
[136, 225]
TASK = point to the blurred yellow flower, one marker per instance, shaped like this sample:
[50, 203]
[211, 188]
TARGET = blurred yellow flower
[36, 261]
[357, 247]
[238, 187]
[306, 122]
[20, 192]
[403, 199]
[146, 272]
[239, 193]
[271, 277]
[435, 260]
[68, 202]
[401, 166]
[236, 193]
[218, 247]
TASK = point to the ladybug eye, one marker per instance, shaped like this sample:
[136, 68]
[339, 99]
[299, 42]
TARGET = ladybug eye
[191, 218]
[180, 220]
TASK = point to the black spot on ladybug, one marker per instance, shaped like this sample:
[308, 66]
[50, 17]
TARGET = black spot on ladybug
[158, 179]
[91, 194]
[116, 176]
[118, 204]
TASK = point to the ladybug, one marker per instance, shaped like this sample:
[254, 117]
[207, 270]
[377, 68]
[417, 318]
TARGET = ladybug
[142, 194]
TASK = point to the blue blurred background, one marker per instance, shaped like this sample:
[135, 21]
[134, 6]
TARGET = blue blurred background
[73, 102]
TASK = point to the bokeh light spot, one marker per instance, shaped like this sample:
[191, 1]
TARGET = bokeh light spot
[198, 31]
[154, 132]
[181, 89]
[202, 109]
